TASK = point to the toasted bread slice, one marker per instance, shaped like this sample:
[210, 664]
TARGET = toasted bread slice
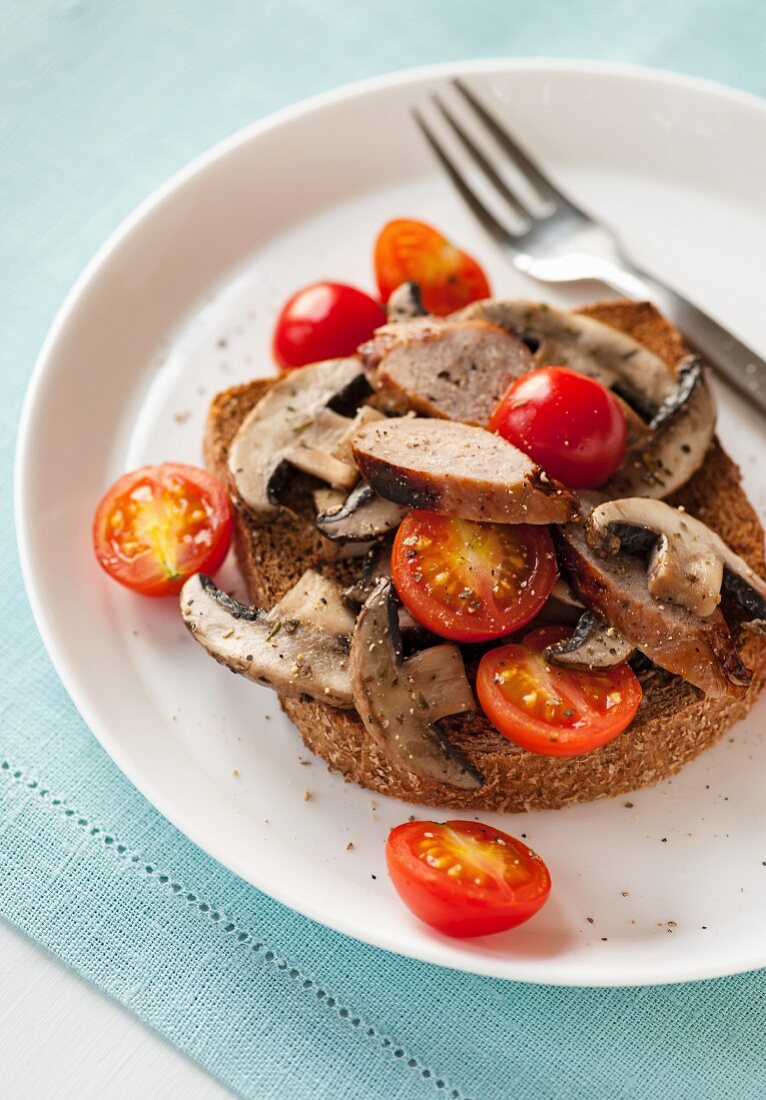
[675, 722]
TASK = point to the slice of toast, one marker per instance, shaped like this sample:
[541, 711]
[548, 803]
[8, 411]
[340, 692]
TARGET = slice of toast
[674, 723]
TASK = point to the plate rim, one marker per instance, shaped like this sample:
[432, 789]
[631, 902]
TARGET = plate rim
[432, 952]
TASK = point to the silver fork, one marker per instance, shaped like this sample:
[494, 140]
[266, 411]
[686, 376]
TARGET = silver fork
[553, 246]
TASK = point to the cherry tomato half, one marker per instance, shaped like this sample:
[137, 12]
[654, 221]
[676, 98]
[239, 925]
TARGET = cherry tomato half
[464, 878]
[449, 278]
[549, 710]
[322, 321]
[158, 525]
[471, 582]
[567, 423]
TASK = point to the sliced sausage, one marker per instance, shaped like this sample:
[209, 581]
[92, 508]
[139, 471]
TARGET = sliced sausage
[458, 470]
[458, 371]
[389, 336]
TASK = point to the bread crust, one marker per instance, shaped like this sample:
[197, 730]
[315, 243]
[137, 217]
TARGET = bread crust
[674, 723]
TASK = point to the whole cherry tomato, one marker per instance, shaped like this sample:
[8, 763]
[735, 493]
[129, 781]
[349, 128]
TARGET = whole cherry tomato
[323, 321]
[567, 423]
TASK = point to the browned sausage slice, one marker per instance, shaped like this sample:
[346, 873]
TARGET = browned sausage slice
[456, 371]
[458, 470]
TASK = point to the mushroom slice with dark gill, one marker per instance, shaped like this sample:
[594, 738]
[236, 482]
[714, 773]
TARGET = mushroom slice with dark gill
[701, 651]
[360, 516]
[406, 302]
[401, 701]
[661, 460]
[593, 644]
[458, 470]
[687, 563]
[560, 338]
[298, 648]
[299, 424]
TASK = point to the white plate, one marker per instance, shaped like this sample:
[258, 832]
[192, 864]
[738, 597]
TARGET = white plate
[179, 303]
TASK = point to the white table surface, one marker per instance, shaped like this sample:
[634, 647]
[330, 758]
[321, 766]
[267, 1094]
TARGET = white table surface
[61, 1037]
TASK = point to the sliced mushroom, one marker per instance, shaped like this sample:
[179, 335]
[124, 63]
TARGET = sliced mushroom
[679, 434]
[361, 516]
[459, 371]
[406, 302]
[687, 560]
[400, 701]
[332, 550]
[580, 342]
[458, 470]
[315, 446]
[299, 648]
[594, 644]
[701, 651]
[297, 424]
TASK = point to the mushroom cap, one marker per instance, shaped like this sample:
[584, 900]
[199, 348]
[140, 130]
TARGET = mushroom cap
[360, 516]
[561, 338]
[289, 423]
[298, 648]
[593, 644]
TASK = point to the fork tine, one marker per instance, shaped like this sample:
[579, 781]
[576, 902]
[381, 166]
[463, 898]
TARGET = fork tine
[509, 145]
[478, 157]
[488, 220]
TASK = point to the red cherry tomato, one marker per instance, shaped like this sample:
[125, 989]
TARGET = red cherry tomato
[471, 582]
[567, 423]
[449, 278]
[322, 321]
[158, 525]
[464, 878]
[549, 710]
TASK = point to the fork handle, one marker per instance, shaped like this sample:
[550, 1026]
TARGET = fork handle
[727, 355]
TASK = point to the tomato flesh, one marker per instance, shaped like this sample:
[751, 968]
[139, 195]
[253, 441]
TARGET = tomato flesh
[567, 423]
[448, 277]
[158, 525]
[323, 321]
[471, 582]
[550, 710]
[464, 878]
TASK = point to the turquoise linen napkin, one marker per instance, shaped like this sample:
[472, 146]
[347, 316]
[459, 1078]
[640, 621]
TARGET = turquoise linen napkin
[99, 102]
